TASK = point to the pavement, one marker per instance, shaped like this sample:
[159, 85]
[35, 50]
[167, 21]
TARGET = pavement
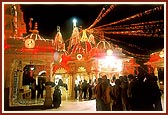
[75, 106]
[85, 106]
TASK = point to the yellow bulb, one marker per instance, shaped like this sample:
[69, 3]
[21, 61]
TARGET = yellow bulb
[109, 52]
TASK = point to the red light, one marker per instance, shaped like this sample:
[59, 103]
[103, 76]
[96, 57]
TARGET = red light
[6, 46]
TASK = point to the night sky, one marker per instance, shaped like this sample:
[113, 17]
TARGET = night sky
[49, 16]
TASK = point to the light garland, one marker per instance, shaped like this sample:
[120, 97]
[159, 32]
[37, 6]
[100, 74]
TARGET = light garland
[97, 36]
[100, 16]
[142, 25]
[135, 55]
[138, 33]
[138, 56]
[132, 17]
[147, 29]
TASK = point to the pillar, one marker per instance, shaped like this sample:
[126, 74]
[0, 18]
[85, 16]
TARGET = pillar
[48, 99]
[72, 72]
[20, 69]
[73, 85]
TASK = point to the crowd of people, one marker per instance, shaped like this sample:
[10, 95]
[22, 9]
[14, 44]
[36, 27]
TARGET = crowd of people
[128, 93]
[84, 90]
[125, 93]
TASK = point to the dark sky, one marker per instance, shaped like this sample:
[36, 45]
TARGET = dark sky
[49, 16]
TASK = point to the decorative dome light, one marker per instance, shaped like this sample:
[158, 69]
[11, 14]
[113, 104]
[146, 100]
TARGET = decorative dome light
[103, 44]
[34, 33]
[84, 36]
[109, 52]
[35, 37]
[79, 56]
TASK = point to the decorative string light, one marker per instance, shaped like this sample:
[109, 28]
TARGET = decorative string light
[134, 16]
[94, 23]
[135, 55]
[97, 36]
[142, 25]
[101, 15]
[138, 33]
[147, 29]
[139, 56]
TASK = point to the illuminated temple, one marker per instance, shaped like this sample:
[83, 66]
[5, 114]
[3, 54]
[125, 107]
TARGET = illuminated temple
[85, 58]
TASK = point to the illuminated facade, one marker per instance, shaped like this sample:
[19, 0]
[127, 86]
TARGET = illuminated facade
[84, 59]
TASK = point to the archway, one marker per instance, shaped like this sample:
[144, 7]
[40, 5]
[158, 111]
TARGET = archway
[62, 79]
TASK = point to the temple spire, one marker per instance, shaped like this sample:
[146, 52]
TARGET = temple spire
[58, 41]
[30, 24]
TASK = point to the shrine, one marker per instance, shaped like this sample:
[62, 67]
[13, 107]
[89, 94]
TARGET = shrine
[28, 56]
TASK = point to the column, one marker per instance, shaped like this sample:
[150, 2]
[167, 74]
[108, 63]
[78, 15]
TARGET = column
[73, 85]
[48, 99]
[72, 71]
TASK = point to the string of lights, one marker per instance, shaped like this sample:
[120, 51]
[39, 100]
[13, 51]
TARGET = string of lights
[138, 56]
[97, 36]
[155, 33]
[101, 15]
[141, 56]
[133, 17]
[94, 23]
[147, 29]
[142, 25]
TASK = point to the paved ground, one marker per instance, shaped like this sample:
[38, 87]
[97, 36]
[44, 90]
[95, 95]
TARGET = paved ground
[75, 106]
[88, 106]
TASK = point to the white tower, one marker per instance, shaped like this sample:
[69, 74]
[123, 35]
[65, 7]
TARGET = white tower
[74, 23]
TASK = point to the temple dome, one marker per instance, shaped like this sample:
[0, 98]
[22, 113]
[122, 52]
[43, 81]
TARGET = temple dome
[34, 33]
[82, 44]
[104, 45]
[34, 36]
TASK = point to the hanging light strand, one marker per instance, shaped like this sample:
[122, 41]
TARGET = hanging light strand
[139, 56]
[155, 33]
[101, 15]
[97, 36]
[142, 25]
[135, 55]
[96, 21]
[132, 17]
[148, 29]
